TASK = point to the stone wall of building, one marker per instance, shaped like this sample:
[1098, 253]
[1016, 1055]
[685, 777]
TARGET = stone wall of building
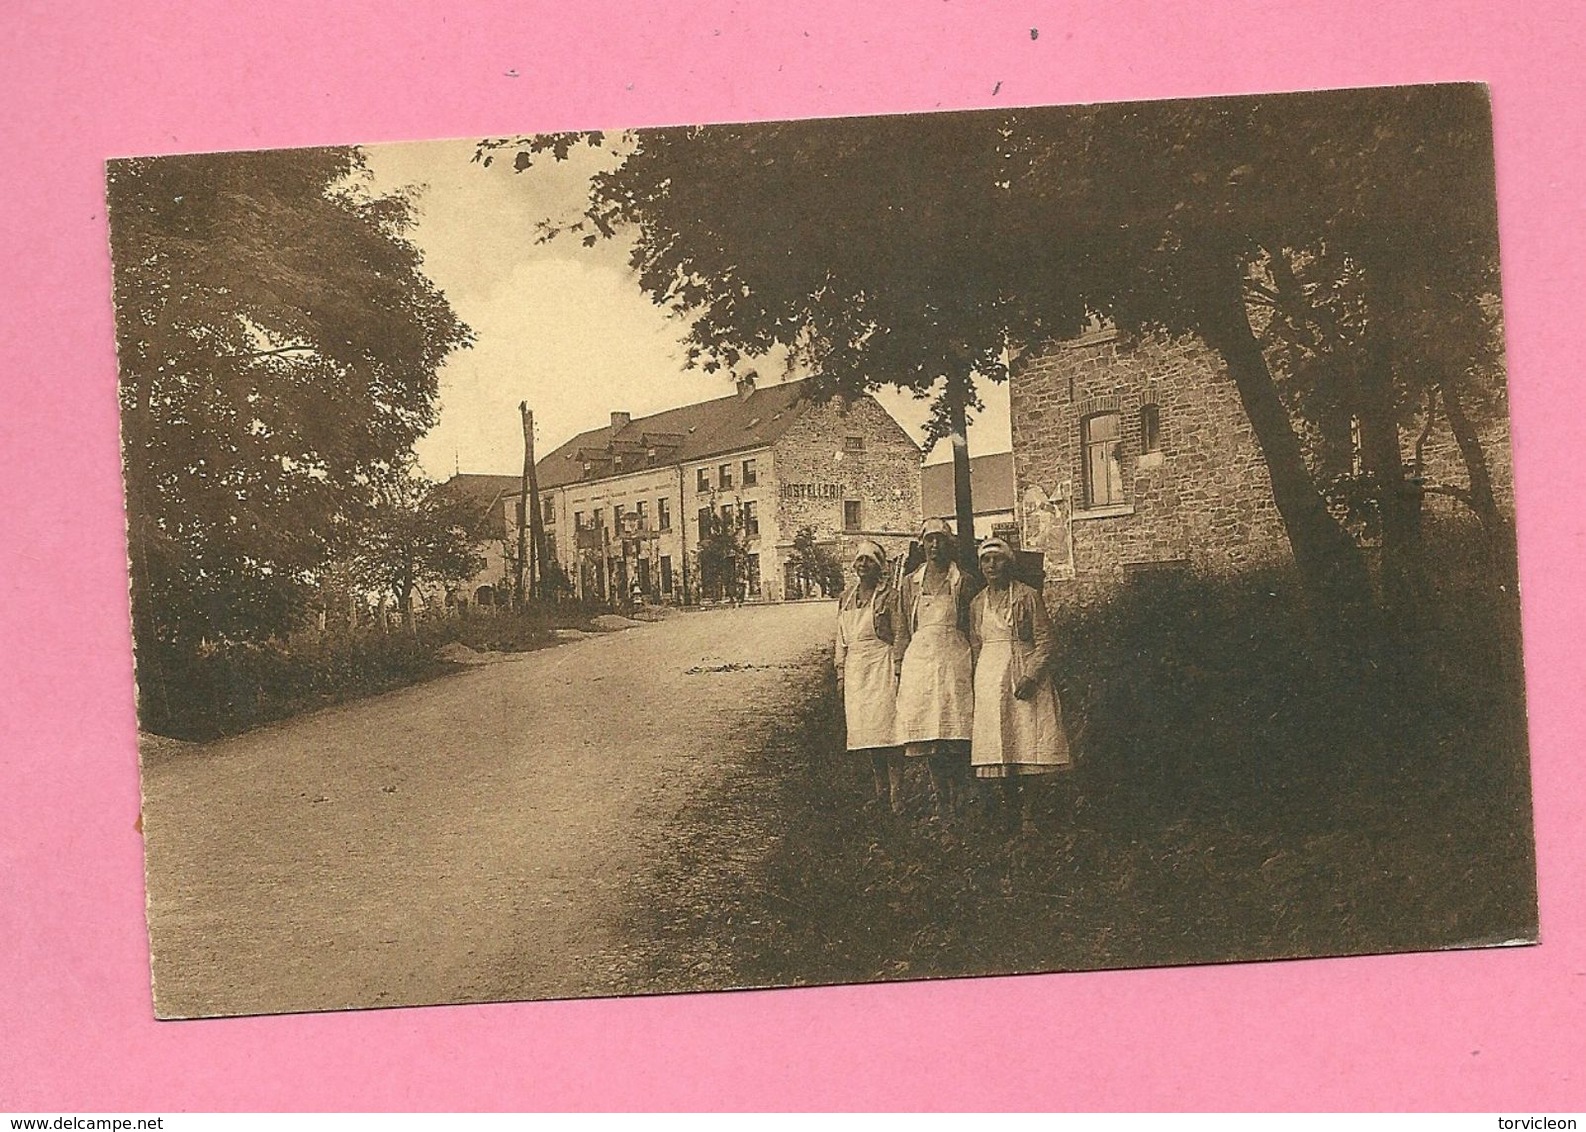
[1201, 499]
[836, 456]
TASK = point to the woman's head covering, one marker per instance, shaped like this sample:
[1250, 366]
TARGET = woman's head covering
[996, 547]
[936, 527]
[866, 548]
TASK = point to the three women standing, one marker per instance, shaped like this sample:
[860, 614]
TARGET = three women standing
[867, 678]
[958, 677]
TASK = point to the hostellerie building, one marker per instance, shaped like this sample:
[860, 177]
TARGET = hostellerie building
[705, 502]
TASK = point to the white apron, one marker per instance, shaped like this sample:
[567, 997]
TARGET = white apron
[869, 690]
[936, 695]
[1012, 736]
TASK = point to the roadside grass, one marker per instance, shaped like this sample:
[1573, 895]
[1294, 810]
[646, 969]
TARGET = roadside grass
[230, 687]
[1242, 794]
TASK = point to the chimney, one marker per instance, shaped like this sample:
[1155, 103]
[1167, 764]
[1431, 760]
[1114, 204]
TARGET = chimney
[619, 421]
[746, 384]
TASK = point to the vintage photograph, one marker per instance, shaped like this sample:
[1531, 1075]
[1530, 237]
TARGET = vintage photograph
[827, 551]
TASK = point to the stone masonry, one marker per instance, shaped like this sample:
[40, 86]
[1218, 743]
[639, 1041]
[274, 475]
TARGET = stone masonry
[881, 474]
[1202, 498]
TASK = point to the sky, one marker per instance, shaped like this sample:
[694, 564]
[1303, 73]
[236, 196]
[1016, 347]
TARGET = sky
[563, 327]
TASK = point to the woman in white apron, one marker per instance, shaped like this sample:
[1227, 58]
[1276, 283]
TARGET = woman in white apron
[936, 704]
[1018, 730]
[867, 677]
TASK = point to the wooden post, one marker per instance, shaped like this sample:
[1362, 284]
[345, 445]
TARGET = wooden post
[531, 504]
[963, 500]
[523, 507]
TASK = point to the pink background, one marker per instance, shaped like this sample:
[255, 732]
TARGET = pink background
[1492, 1030]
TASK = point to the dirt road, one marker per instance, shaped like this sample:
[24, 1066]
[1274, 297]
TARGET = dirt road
[482, 837]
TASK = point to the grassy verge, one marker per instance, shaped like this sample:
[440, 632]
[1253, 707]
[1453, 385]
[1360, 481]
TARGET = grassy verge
[1239, 798]
[228, 688]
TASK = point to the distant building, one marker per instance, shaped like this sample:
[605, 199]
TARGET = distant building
[495, 498]
[1132, 459]
[990, 484]
[628, 505]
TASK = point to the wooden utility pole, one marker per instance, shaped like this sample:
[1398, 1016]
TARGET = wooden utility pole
[525, 510]
[539, 579]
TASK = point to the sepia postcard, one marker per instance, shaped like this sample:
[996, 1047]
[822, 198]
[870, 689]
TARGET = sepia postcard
[811, 552]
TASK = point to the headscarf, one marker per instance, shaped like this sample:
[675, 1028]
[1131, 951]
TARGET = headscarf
[999, 547]
[869, 548]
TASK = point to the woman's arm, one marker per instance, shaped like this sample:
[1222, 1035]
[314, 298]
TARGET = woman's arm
[840, 647]
[903, 623]
[977, 610]
[1043, 649]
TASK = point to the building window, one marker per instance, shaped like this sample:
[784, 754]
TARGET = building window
[600, 517]
[750, 474]
[578, 520]
[724, 477]
[726, 516]
[548, 511]
[1150, 429]
[666, 573]
[853, 444]
[1099, 435]
[751, 521]
[754, 574]
[643, 508]
[663, 514]
[706, 521]
[850, 514]
[702, 480]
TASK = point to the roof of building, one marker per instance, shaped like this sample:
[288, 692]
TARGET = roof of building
[990, 483]
[691, 432]
[484, 492]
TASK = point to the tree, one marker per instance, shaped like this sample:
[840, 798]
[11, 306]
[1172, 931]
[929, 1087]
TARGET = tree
[278, 345]
[816, 238]
[414, 536]
[915, 251]
[814, 564]
[1363, 227]
[723, 555]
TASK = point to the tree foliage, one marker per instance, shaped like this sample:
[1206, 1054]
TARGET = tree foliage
[278, 345]
[914, 251]
[413, 536]
[723, 556]
[815, 564]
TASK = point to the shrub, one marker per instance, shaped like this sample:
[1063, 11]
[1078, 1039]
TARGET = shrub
[227, 688]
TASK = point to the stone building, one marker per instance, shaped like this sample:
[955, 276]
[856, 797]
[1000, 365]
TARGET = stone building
[631, 505]
[1130, 459]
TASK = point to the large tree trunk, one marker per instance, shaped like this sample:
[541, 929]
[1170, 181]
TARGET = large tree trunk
[1329, 563]
[1482, 499]
[963, 496]
[1399, 499]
